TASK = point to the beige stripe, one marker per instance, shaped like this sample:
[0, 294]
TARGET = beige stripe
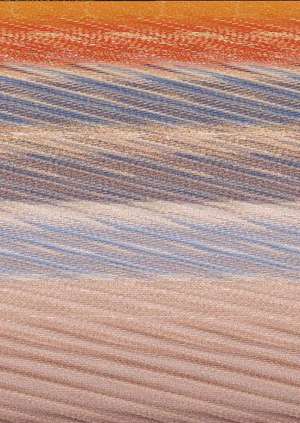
[156, 351]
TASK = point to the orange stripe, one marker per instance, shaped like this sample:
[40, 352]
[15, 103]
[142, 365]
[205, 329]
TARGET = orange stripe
[176, 11]
[134, 32]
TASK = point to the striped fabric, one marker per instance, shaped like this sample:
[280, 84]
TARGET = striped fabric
[149, 212]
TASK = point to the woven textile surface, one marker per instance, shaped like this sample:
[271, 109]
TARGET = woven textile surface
[149, 212]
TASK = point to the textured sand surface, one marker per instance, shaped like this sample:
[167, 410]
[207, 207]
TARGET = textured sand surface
[149, 212]
[111, 350]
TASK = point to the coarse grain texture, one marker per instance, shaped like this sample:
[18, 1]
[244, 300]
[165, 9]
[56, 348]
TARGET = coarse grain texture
[149, 212]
